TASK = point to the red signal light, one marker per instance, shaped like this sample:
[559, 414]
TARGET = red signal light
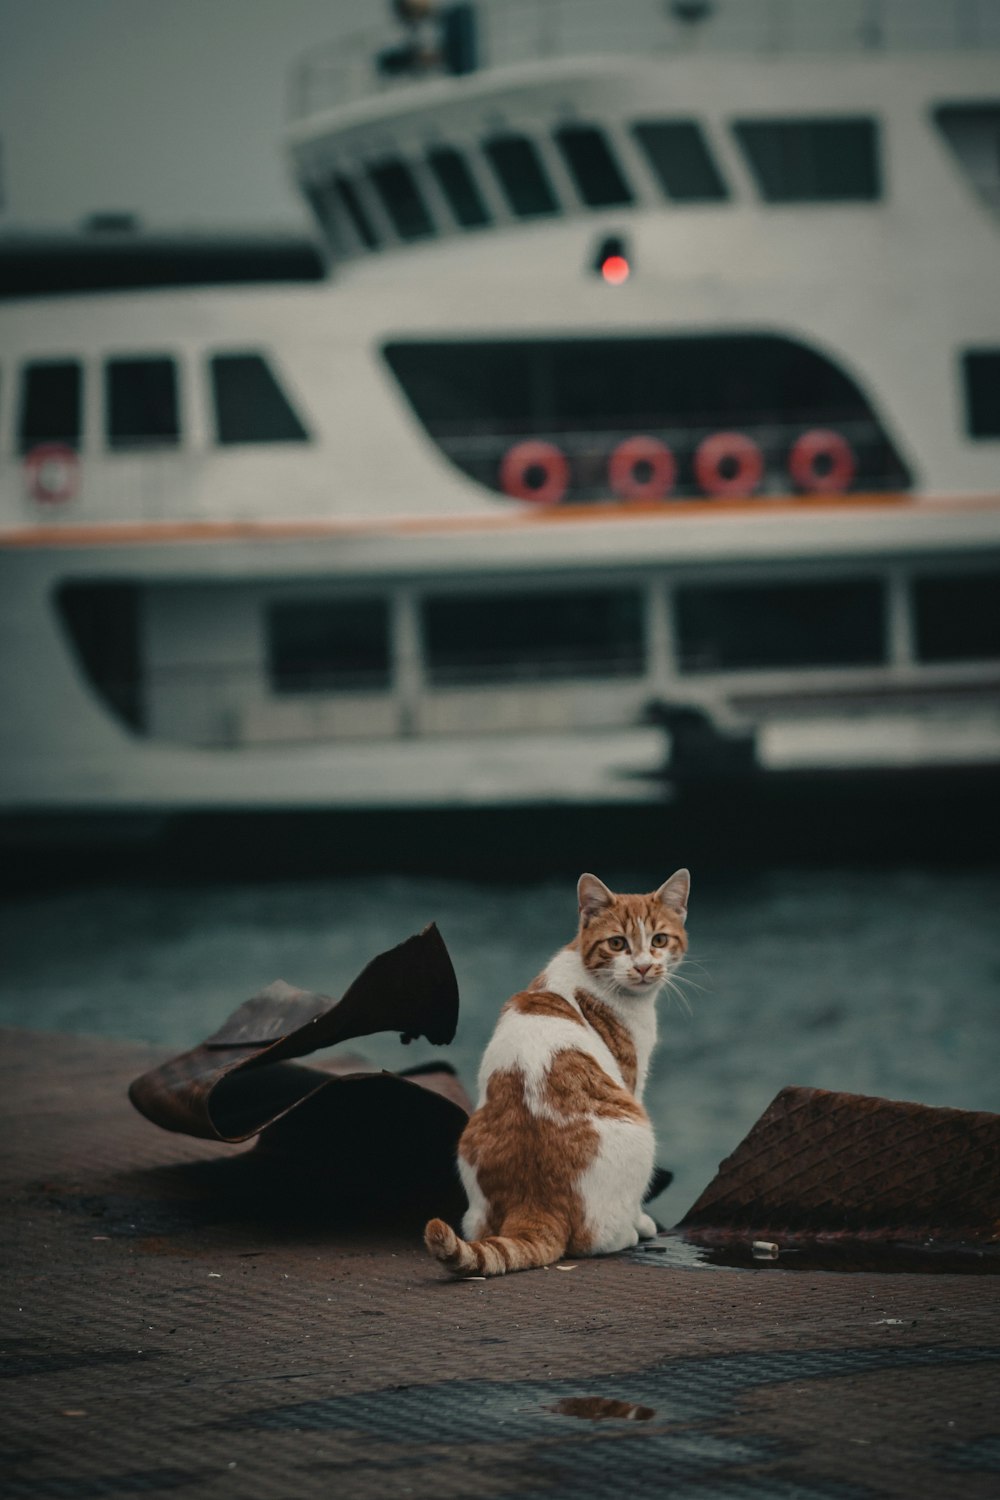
[615, 269]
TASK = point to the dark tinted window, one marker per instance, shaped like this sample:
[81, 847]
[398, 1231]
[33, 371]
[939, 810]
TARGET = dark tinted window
[958, 618]
[459, 187]
[521, 174]
[981, 370]
[733, 626]
[679, 156]
[402, 200]
[812, 161]
[478, 397]
[529, 636]
[593, 166]
[103, 622]
[321, 201]
[322, 646]
[250, 406]
[351, 204]
[141, 403]
[538, 385]
[51, 404]
[973, 133]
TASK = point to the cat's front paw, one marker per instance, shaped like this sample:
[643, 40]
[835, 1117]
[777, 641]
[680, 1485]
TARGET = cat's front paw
[646, 1227]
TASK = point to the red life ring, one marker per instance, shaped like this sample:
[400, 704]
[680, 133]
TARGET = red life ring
[728, 463]
[52, 471]
[642, 468]
[534, 470]
[833, 452]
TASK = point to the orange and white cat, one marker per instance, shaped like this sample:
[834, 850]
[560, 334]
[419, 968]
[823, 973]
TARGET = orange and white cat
[559, 1153]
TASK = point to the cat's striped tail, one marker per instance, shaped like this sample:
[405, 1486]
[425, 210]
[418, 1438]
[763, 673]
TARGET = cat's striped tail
[496, 1254]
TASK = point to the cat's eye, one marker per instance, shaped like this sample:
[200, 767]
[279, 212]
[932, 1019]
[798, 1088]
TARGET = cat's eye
[616, 944]
[661, 939]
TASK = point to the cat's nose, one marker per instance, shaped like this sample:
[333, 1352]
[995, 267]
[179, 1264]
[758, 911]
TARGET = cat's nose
[642, 969]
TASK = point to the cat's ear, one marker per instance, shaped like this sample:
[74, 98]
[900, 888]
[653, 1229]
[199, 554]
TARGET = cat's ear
[675, 891]
[592, 896]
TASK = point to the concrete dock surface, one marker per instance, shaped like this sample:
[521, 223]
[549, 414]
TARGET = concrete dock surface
[172, 1325]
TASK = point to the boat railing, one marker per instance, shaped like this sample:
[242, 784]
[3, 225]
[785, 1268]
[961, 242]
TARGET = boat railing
[595, 454]
[148, 483]
[452, 39]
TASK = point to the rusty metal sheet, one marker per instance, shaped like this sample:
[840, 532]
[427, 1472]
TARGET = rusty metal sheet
[243, 1082]
[822, 1163]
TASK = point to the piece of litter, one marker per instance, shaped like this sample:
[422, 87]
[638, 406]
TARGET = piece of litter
[100, 1236]
[473, 1278]
[216, 1274]
[892, 1322]
[764, 1247]
[565, 1268]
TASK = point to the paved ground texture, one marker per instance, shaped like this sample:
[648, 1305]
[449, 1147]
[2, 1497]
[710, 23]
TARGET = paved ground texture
[175, 1322]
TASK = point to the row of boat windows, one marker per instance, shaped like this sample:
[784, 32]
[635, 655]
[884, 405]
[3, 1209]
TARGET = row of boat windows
[823, 160]
[142, 393]
[336, 646]
[466, 391]
[142, 403]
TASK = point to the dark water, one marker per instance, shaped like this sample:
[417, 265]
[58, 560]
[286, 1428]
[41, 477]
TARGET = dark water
[876, 981]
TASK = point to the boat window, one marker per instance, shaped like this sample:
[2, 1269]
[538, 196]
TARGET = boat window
[321, 202]
[479, 398]
[402, 199]
[141, 403]
[328, 645]
[981, 370]
[250, 406]
[527, 637]
[735, 627]
[459, 186]
[681, 160]
[812, 160]
[51, 404]
[973, 133]
[958, 617]
[102, 622]
[353, 208]
[593, 165]
[521, 175]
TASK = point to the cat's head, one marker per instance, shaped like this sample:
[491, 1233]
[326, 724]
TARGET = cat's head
[633, 943]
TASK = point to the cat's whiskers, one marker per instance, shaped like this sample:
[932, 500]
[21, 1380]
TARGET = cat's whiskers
[691, 984]
[673, 991]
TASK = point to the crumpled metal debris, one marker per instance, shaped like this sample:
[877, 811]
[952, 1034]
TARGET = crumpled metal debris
[819, 1164]
[368, 1127]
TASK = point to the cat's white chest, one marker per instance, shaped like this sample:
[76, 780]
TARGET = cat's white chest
[642, 1025]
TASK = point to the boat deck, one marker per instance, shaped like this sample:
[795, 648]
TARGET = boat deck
[159, 1300]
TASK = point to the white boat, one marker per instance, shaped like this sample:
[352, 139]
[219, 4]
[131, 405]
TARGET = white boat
[659, 365]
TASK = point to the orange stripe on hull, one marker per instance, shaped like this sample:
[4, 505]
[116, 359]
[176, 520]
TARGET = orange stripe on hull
[131, 533]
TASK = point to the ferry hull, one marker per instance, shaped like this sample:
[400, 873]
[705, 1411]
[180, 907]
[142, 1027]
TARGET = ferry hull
[606, 741]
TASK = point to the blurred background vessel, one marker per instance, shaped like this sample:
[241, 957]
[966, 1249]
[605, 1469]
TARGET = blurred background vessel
[283, 591]
[644, 429]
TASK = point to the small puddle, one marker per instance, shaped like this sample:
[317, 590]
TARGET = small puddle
[600, 1408]
[733, 1253]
